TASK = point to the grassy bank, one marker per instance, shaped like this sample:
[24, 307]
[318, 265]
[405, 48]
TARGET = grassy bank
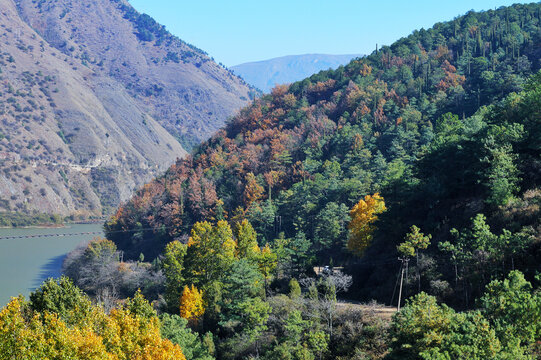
[12, 219]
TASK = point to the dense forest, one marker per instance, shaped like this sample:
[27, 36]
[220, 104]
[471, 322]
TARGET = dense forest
[412, 173]
[297, 160]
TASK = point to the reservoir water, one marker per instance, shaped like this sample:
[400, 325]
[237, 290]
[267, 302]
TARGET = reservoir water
[27, 261]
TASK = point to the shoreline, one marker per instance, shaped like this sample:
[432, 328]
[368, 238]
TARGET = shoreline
[17, 220]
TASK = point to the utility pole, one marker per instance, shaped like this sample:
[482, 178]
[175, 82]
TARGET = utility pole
[404, 264]
[415, 240]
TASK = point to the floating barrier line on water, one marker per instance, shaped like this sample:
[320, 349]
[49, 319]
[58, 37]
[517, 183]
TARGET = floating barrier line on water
[49, 235]
[76, 234]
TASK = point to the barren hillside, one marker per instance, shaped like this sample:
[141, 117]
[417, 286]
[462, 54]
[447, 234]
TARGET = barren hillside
[92, 104]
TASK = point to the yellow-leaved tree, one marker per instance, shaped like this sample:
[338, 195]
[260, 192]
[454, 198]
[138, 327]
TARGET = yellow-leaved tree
[363, 216]
[138, 337]
[122, 335]
[192, 306]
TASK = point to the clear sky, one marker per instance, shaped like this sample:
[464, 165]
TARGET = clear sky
[238, 31]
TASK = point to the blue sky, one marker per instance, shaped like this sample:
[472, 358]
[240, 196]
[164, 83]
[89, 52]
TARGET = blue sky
[239, 31]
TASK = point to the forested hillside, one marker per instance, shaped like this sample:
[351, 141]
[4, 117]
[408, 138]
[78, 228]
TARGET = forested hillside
[296, 161]
[480, 175]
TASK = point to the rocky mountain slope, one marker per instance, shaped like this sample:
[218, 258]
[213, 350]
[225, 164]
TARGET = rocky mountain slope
[287, 69]
[94, 100]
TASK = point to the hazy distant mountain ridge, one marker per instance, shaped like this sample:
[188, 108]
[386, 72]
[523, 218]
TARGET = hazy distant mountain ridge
[93, 103]
[287, 69]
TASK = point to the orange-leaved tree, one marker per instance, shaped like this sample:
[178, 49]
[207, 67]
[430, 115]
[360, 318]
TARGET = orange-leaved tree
[253, 192]
[363, 216]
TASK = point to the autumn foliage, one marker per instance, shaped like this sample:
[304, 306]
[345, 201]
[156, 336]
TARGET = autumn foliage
[363, 216]
[122, 335]
[191, 303]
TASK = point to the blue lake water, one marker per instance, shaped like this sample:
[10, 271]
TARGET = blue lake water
[26, 262]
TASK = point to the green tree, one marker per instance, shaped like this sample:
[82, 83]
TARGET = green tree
[425, 330]
[469, 337]
[246, 237]
[294, 289]
[514, 309]
[502, 175]
[300, 252]
[211, 251]
[477, 251]
[173, 269]
[243, 309]
[244, 314]
[176, 329]
[61, 297]
[139, 306]
[267, 262]
[331, 230]
[415, 241]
